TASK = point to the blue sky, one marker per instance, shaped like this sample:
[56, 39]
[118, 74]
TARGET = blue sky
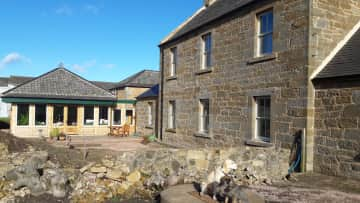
[104, 40]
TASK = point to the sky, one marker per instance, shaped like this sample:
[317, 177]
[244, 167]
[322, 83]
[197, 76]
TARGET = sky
[103, 40]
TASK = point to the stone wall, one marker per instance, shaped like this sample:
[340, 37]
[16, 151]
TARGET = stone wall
[254, 164]
[337, 130]
[237, 76]
[142, 117]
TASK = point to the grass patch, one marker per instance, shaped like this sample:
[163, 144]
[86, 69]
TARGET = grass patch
[4, 123]
[5, 120]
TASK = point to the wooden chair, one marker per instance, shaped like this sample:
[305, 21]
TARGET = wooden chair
[125, 130]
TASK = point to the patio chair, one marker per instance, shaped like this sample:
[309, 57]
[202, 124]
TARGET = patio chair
[125, 130]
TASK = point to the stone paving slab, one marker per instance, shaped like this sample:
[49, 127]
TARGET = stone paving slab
[179, 194]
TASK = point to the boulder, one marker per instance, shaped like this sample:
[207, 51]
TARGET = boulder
[3, 149]
[86, 167]
[134, 177]
[114, 174]
[156, 180]
[59, 184]
[107, 163]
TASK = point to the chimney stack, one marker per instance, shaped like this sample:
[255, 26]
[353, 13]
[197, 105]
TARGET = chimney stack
[208, 3]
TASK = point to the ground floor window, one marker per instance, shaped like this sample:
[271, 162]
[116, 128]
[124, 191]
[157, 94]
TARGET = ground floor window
[89, 115]
[72, 116]
[263, 118]
[171, 115]
[58, 115]
[150, 114]
[23, 114]
[40, 114]
[103, 115]
[204, 116]
[129, 117]
[117, 117]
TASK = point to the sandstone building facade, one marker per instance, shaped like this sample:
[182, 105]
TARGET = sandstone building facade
[240, 72]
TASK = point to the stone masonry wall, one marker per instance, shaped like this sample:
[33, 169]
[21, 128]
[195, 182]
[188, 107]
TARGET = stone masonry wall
[337, 137]
[142, 117]
[237, 76]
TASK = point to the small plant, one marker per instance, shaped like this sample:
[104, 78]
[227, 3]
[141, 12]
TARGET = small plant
[24, 120]
[148, 138]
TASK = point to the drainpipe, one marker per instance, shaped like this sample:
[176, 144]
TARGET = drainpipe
[161, 92]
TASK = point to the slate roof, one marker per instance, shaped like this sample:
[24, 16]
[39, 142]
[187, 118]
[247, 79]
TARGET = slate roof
[60, 83]
[145, 78]
[4, 82]
[105, 85]
[17, 80]
[152, 92]
[346, 62]
[215, 11]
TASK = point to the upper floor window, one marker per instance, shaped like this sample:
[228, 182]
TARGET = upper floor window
[171, 115]
[173, 61]
[265, 32]
[23, 114]
[204, 116]
[206, 44]
[263, 118]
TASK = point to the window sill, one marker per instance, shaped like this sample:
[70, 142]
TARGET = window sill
[171, 78]
[202, 134]
[203, 71]
[258, 143]
[260, 59]
[149, 127]
[170, 130]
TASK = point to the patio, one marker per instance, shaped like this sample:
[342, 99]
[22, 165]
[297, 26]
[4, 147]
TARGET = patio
[105, 142]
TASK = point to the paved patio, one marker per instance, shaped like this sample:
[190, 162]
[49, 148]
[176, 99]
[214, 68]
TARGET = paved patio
[105, 142]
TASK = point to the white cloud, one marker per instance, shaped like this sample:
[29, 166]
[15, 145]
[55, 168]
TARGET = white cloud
[64, 10]
[109, 66]
[82, 68]
[91, 9]
[12, 58]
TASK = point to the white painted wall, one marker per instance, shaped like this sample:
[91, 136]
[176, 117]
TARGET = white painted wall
[4, 107]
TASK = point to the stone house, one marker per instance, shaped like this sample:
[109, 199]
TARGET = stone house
[147, 111]
[61, 99]
[239, 72]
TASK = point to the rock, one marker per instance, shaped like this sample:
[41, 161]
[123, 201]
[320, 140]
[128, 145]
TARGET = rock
[122, 167]
[174, 180]
[134, 177]
[201, 164]
[258, 163]
[229, 166]
[156, 180]
[4, 168]
[100, 175]
[3, 149]
[195, 154]
[123, 188]
[98, 169]
[114, 174]
[86, 167]
[107, 163]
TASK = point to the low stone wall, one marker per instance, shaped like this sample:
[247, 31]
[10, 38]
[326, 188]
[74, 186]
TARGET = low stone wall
[255, 164]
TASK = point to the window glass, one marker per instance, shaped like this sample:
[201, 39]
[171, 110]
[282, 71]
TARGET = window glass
[204, 115]
[117, 117]
[266, 32]
[88, 115]
[172, 119]
[173, 61]
[129, 117]
[263, 118]
[72, 116]
[150, 114]
[58, 115]
[23, 114]
[206, 58]
[103, 115]
[40, 114]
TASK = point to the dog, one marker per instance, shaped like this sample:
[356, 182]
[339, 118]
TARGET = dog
[213, 181]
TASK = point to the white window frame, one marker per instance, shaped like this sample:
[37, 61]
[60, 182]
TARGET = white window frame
[150, 117]
[258, 119]
[173, 61]
[206, 53]
[172, 115]
[202, 118]
[260, 35]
